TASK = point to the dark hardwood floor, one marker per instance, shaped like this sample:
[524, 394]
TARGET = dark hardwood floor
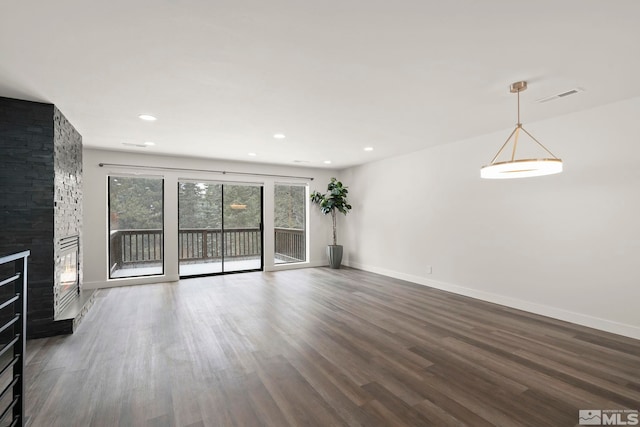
[321, 347]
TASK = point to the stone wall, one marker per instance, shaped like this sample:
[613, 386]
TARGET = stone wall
[31, 208]
[67, 202]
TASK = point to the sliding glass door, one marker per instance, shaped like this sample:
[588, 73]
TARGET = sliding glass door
[242, 227]
[220, 228]
[199, 228]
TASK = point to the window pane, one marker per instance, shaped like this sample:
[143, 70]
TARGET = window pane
[136, 231]
[290, 223]
[242, 222]
[200, 228]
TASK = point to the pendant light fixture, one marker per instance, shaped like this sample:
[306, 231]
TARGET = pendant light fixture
[520, 168]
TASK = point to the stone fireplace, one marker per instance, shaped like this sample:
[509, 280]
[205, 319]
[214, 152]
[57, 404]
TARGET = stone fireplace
[41, 209]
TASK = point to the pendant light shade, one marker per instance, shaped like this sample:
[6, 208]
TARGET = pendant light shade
[521, 168]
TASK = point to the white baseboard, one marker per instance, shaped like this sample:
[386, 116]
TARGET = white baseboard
[624, 329]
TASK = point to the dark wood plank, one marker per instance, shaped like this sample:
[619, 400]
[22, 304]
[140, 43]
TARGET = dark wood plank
[321, 347]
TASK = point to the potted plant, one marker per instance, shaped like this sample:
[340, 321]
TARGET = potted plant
[334, 201]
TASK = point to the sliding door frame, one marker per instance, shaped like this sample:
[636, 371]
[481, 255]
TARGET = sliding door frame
[222, 231]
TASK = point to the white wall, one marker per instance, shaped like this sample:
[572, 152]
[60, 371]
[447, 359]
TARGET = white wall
[566, 246]
[95, 244]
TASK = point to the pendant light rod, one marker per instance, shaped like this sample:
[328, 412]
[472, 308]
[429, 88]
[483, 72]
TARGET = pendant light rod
[503, 146]
[519, 106]
[517, 88]
[539, 143]
[520, 168]
[515, 143]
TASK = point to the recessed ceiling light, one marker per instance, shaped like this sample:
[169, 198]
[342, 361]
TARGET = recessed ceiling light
[368, 148]
[327, 162]
[147, 117]
[279, 135]
[149, 143]
[252, 154]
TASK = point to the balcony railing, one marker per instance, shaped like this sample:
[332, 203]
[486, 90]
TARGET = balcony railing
[291, 245]
[131, 248]
[206, 244]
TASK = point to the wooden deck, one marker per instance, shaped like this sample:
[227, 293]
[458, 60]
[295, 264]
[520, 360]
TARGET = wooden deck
[192, 269]
[321, 347]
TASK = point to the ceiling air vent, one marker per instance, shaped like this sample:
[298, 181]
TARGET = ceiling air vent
[560, 95]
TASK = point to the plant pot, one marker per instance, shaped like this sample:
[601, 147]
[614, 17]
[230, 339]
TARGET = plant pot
[335, 255]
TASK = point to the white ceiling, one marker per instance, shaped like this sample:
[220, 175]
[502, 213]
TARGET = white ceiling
[333, 76]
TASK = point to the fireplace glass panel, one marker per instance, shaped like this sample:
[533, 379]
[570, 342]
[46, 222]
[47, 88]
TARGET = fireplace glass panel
[69, 271]
[67, 277]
